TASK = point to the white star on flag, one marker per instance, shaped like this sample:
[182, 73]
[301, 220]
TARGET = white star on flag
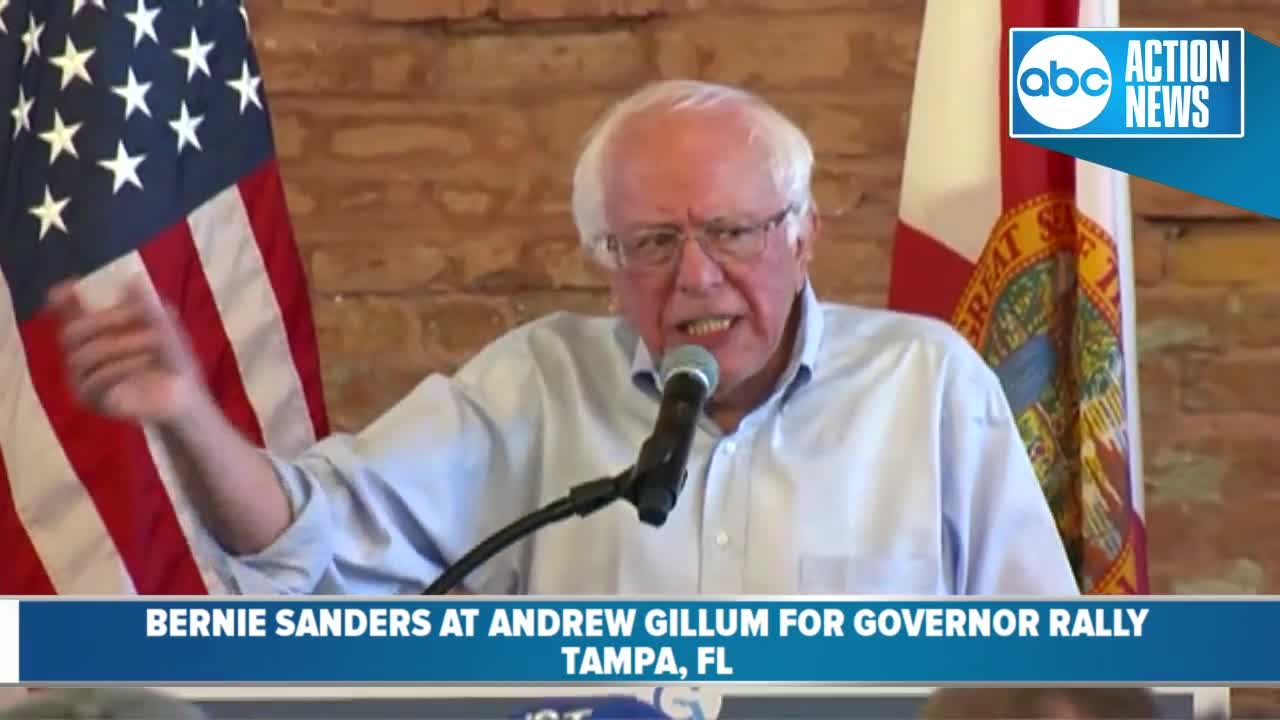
[60, 137]
[123, 167]
[247, 86]
[22, 112]
[78, 5]
[144, 23]
[4, 5]
[134, 94]
[185, 126]
[31, 39]
[196, 55]
[73, 62]
[50, 213]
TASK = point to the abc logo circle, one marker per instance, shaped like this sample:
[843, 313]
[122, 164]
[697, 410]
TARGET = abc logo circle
[1064, 82]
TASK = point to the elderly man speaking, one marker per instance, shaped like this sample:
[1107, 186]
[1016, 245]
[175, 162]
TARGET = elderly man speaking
[844, 450]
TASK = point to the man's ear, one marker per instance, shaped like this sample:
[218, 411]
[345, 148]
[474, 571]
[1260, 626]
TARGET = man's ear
[810, 228]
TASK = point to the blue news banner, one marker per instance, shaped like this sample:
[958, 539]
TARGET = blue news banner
[458, 641]
[1127, 83]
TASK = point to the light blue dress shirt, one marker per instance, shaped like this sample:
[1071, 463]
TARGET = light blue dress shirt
[887, 462]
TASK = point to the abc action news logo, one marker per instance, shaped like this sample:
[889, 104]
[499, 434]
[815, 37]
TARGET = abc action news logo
[1126, 83]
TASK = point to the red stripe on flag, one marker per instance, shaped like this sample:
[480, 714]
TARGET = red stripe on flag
[112, 460]
[1025, 169]
[179, 278]
[263, 194]
[925, 277]
[23, 572]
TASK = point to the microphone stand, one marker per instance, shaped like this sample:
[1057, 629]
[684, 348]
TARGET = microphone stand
[582, 500]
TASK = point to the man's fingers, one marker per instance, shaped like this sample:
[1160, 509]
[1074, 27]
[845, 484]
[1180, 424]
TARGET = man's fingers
[95, 387]
[140, 294]
[65, 302]
[106, 349]
[113, 321]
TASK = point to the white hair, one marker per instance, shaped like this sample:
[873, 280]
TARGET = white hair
[789, 153]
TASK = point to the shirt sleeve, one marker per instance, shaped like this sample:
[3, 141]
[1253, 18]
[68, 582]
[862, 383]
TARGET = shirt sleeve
[1006, 539]
[384, 511]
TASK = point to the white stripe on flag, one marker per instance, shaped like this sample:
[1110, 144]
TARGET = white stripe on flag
[102, 288]
[951, 173]
[242, 291]
[68, 534]
[1102, 194]
[9, 633]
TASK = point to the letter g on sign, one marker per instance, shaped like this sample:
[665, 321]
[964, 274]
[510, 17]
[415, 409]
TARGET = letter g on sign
[1064, 82]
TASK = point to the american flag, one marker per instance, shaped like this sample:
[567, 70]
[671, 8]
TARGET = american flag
[137, 144]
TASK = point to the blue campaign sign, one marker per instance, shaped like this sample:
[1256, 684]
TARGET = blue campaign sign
[1126, 83]
[459, 641]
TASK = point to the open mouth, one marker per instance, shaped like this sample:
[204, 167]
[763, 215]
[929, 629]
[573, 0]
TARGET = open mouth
[708, 326]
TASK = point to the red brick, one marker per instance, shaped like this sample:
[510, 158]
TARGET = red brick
[490, 262]
[357, 392]
[1229, 576]
[1255, 317]
[304, 57]
[1170, 319]
[560, 124]
[1234, 383]
[846, 265]
[400, 139]
[366, 327]
[391, 10]
[788, 52]
[561, 260]
[376, 267]
[1227, 254]
[803, 6]
[1185, 472]
[1156, 200]
[300, 201]
[290, 136]
[1149, 250]
[529, 306]
[591, 9]
[533, 64]
[1159, 390]
[1184, 545]
[419, 10]
[447, 131]
[333, 8]
[853, 125]
[342, 209]
[457, 326]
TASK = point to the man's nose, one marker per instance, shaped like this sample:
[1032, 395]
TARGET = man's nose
[695, 269]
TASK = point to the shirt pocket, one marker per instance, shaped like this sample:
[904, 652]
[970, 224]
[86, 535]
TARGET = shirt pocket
[825, 574]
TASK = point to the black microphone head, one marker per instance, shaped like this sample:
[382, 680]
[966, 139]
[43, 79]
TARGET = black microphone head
[693, 360]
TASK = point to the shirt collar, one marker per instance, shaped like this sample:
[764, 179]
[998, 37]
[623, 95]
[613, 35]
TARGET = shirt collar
[804, 354]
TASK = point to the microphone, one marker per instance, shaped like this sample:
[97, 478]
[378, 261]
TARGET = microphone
[689, 376]
[652, 484]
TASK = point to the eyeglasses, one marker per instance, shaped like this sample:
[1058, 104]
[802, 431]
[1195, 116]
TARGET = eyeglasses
[658, 246]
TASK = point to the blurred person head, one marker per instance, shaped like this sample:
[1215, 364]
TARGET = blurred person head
[1041, 704]
[696, 199]
[102, 704]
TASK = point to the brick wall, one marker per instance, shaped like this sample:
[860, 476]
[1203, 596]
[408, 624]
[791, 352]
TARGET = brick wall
[427, 146]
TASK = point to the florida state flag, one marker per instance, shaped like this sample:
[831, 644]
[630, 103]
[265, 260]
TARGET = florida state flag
[1027, 253]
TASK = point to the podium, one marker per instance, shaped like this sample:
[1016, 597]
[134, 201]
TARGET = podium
[681, 703]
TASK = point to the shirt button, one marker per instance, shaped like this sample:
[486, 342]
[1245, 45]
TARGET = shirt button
[722, 538]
